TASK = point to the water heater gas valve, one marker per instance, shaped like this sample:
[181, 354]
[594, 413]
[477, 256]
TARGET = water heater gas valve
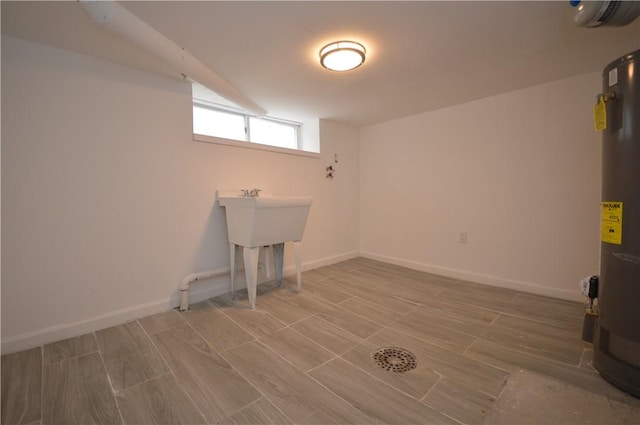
[589, 287]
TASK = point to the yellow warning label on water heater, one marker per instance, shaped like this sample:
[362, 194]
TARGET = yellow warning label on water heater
[600, 114]
[611, 228]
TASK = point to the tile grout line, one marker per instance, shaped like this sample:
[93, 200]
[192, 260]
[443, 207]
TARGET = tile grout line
[42, 374]
[253, 386]
[336, 326]
[375, 333]
[589, 365]
[287, 360]
[332, 304]
[380, 306]
[208, 301]
[262, 397]
[197, 332]
[170, 370]
[155, 347]
[495, 319]
[146, 381]
[359, 315]
[444, 347]
[337, 395]
[440, 292]
[426, 403]
[317, 294]
[284, 325]
[440, 379]
[335, 356]
[409, 312]
[313, 342]
[293, 305]
[290, 325]
[106, 372]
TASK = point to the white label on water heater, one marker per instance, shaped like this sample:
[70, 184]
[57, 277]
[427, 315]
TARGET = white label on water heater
[613, 77]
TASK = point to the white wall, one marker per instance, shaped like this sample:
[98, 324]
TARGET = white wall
[520, 172]
[107, 203]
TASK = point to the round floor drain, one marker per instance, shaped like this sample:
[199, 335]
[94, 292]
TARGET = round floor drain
[395, 359]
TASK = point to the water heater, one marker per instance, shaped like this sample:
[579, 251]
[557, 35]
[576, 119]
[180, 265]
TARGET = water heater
[617, 339]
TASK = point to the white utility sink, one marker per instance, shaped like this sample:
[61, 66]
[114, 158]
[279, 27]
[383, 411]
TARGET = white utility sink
[263, 221]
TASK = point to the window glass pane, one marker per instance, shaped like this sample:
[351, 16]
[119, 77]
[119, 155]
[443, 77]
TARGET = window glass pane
[211, 122]
[273, 133]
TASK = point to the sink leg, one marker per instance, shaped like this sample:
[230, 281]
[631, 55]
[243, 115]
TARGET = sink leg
[297, 248]
[232, 267]
[278, 256]
[267, 260]
[251, 271]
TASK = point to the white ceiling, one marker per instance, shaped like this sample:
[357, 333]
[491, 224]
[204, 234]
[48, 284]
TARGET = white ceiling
[421, 55]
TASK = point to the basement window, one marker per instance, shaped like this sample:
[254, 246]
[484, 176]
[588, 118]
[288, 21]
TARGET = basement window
[220, 122]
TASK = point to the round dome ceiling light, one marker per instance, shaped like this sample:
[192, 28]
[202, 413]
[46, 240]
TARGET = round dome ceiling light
[342, 55]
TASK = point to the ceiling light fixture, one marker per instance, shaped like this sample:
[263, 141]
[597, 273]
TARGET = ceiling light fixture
[342, 55]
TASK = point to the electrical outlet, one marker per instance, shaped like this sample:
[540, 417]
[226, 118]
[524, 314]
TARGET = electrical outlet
[462, 237]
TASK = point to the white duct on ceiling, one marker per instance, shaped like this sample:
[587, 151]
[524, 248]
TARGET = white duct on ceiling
[116, 18]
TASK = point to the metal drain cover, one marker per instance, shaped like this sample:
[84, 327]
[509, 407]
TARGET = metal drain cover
[395, 359]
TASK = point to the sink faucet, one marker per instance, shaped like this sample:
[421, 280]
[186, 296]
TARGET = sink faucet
[255, 193]
[245, 193]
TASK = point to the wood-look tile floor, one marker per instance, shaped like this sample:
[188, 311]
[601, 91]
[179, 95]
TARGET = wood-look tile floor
[307, 358]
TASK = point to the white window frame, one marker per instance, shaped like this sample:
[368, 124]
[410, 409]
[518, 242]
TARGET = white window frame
[247, 143]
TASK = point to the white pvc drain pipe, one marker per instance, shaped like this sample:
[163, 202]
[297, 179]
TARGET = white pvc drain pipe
[194, 277]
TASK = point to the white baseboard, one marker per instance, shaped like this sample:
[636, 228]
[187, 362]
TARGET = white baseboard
[326, 261]
[69, 330]
[199, 291]
[531, 288]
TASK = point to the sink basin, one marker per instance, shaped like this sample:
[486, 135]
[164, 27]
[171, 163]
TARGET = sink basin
[264, 220]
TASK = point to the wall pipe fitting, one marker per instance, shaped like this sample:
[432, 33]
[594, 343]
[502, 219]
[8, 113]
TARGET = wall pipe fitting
[194, 277]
